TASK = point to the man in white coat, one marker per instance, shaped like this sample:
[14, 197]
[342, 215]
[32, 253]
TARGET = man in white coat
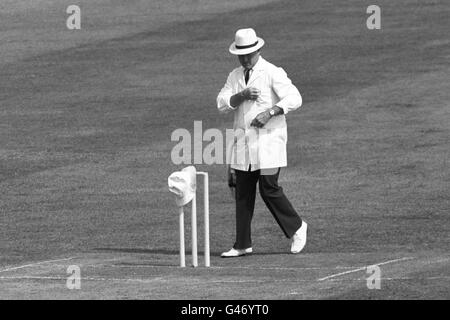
[260, 95]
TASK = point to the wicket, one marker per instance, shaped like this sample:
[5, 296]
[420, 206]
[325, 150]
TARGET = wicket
[194, 226]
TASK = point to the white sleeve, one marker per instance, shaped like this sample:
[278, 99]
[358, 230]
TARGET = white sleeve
[290, 98]
[223, 99]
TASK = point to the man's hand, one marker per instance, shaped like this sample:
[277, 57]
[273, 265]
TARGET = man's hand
[231, 180]
[261, 119]
[251, 93]
[246, 94]
[231, 177]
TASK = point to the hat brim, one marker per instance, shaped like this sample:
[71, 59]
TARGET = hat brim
[236, 51]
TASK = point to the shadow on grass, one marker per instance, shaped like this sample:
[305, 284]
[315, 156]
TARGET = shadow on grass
[138, 250]
[176, 252]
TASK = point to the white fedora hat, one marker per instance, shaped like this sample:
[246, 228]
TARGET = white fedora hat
[183, 184]
[245, 42]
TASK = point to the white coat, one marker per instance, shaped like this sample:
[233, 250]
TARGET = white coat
[263, 148]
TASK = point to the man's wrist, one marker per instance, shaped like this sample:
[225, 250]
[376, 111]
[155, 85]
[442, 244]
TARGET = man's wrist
[275, 111]
[237, 99]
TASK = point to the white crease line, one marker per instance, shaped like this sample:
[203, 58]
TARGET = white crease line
[364, 268]
[52, 278]
[124, 265]
[393, 279]
[35, 264]
[220, 268]
[94, 266]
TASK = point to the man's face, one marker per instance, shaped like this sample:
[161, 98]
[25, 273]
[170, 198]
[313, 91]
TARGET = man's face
[248, 61]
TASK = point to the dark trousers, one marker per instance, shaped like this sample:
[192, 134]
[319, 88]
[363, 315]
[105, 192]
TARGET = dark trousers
[274, 198]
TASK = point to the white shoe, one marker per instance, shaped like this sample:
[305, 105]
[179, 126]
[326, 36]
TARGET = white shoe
[299, 239]
[236, 252]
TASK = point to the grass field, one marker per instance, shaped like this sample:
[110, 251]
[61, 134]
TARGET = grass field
[85, 124]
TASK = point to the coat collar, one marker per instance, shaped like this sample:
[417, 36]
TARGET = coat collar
[260, 64]
[257, 71]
